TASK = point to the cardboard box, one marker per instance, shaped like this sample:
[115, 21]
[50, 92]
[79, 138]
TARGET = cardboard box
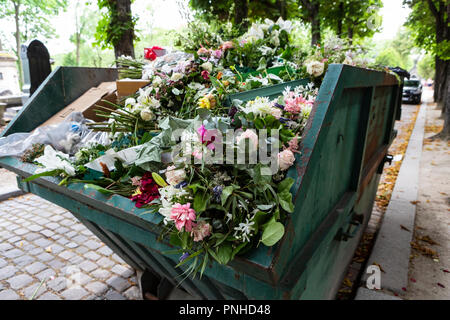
[128, 87]
[87, 104]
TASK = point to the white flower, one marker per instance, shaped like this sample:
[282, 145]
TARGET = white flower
[275, 39]
[176, 76]
[207, 66]
[176, 91]
[276, 112]
[53, 160]
[285, 25]
[245, 229]
[286, 159]
[130, 102]
[261, 106]
[265, 50]
[157, 81]
[147, 114]
[255, 33]
[196, 86]
[174, 176]
[315, 68]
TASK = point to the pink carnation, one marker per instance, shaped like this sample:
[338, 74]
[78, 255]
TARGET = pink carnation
[183, 216]
[294, 105]
[201, 230]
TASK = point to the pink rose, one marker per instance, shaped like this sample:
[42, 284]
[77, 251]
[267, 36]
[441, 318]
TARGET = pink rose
[203, 51]
[183, 216]
[286, 159]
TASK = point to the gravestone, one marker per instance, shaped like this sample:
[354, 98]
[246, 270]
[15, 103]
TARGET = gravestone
[39, 64]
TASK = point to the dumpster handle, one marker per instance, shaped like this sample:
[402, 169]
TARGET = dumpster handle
[357, 220]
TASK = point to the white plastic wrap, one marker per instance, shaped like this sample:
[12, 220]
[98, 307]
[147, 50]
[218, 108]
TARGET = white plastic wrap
[68, 137]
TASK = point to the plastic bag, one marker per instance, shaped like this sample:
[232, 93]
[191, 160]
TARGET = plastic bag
[68, 137]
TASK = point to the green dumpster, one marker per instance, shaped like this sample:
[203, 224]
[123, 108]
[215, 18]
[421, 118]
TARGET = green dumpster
[343, 151]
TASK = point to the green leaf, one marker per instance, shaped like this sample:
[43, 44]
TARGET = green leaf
[224, 253]
[51, 173]
[286, 184]
[200, 201]
[273, 232]
[98, 188]
[226, 192]
[285, 199]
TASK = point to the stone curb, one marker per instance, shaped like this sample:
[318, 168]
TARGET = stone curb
[12, 194]
[392, 248]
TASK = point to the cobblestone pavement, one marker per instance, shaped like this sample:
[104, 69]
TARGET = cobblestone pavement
[46, 254]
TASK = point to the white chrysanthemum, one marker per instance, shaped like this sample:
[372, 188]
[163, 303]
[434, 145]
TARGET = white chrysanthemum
[261, 106]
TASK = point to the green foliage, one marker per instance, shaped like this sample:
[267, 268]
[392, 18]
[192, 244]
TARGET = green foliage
[426, 67]
[422, 22]
[111, 27]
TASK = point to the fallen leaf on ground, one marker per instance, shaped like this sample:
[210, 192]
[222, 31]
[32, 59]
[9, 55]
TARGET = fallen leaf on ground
[404, 289]
[424, 250]
[445, 270]
[415, 202]
[413, 280]
[440, 285]
[428, 240]
[404, 228]
[49, 249]
[347, 282]
[379, 266]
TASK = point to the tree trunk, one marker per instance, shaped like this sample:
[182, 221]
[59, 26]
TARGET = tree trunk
[340, 20]
[445, 133]
[282, 7]
[77, 57]
[350, 35]
[315, 24]
[18, 43]
[240, 12]
[125, 44]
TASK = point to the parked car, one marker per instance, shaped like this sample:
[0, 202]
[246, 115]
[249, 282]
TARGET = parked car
[412, 91]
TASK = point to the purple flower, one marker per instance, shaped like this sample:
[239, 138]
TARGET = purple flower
[217, 192]
[232, 112]
[181, 185]
[184, 256]
[279, 106]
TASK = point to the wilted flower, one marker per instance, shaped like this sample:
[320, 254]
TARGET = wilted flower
[207, 102]
[175, 176]
[183, 216]
[315, 68]
[201, 230]
[147, 114]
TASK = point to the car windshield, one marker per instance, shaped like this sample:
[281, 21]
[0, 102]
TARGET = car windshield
[412, 83]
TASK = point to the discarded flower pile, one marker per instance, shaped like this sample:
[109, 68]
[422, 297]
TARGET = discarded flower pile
[214, 169]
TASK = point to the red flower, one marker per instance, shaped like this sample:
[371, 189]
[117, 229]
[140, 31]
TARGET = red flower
[153, 52]
[205, 74]
[149, 191]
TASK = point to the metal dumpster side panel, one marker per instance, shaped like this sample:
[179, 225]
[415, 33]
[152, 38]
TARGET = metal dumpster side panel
[312, 192]
[63, 86]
